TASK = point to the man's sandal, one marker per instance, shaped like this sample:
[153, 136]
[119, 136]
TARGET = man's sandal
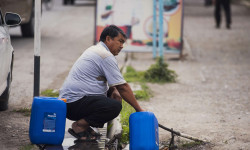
[93, 132]
[86, 134]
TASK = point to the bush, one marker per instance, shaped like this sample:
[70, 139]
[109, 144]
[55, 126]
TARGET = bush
[159, 73]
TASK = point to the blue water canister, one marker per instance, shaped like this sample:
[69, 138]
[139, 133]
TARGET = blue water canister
[47, 121]
[143, 131]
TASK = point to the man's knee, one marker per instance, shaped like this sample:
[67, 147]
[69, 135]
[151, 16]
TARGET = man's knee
[117, 107]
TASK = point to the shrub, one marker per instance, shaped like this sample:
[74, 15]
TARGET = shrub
[159, 73]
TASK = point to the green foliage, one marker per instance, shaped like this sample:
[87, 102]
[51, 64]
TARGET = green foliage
[143, 94]
[125, 113]
[132, 75]
[140, 94]
[24, 111]
[159, 73]
[50, 93]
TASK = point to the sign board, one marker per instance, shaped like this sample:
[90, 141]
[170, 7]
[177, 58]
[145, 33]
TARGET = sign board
[135, 18]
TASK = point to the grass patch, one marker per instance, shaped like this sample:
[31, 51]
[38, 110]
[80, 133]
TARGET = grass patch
[132, 75]
[28, 147]
[50, 93]
[125, 113]
[25, 111]
[144, 94]
[140, 94]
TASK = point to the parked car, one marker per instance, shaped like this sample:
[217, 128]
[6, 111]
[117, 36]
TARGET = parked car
[6, 56]
[25, 8]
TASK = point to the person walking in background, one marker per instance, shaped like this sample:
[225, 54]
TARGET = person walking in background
[217, 13]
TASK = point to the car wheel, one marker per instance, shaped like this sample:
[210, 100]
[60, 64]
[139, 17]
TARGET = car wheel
[27, 29]
[4, 98]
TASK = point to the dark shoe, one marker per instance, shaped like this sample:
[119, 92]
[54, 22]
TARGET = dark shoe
[217, 26]
[228, 26]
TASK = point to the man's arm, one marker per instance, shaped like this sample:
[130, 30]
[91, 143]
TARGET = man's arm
[127, 94]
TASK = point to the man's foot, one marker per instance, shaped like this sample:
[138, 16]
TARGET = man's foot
[228, 26]
[94, 131]
[84, 135]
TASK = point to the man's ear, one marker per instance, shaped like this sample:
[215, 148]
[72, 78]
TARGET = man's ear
[108, 38]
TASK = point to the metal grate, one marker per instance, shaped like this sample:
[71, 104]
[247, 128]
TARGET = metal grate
[101, 142]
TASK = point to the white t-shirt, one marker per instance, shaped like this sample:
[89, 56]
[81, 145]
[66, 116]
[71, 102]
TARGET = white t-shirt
[92, 74]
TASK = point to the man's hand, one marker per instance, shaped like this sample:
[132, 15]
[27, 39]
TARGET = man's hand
[141, 110]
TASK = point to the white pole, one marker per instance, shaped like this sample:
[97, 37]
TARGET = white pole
[154, 29]
[37, 47]
[161, 28]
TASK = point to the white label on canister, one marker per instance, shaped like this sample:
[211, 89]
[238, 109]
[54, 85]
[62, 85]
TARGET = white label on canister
[49, 122]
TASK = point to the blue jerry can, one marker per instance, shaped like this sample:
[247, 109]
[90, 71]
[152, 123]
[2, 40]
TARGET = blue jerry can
[47, 121]
[143, 131]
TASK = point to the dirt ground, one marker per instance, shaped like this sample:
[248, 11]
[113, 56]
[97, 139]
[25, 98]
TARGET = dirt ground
[211, 98]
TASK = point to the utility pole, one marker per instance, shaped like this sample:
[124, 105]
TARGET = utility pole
[37, 47]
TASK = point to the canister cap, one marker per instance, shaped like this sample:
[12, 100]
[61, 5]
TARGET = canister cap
[64, 99]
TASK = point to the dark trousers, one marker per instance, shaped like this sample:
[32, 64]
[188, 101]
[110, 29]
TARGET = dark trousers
[226, 6]
[96, 110]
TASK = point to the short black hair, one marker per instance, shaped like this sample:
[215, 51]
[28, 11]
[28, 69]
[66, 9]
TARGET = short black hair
[111, 31]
